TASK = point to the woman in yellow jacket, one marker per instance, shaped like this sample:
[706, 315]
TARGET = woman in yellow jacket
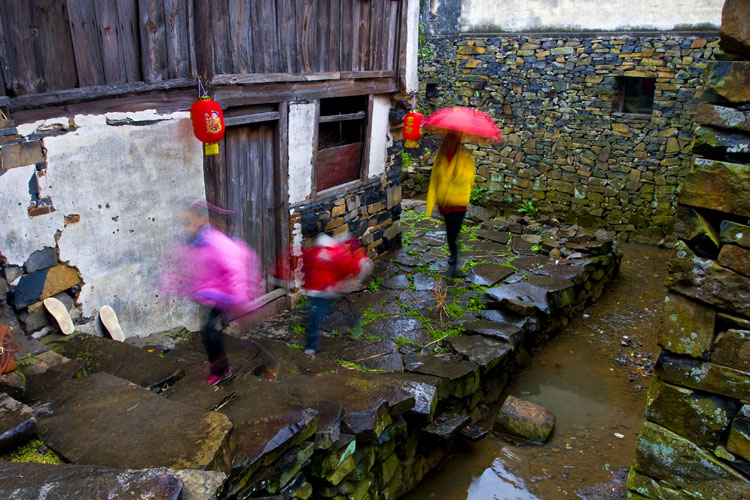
[451, 181]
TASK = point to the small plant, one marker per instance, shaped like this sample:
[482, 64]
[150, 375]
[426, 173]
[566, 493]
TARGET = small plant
[476, 304]
[355, 366]
[477, 196]
[454, 311]
[406, 160]
[536, 248]
[303, 301]
[528, 208]
[35, 451]
[375, 284]
[405, 341]
[426, 52]
[298, 329]
[525, 276]
[26, 360]
[292, 345]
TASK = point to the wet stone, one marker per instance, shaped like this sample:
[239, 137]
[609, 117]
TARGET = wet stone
[484, 352]
[524, 419]
[407, 328]
[17, 424]
[459, 377]
[47, 370]
[732, 232]
[474, 432]
[703, 376]
[446, 425]
[123, 360]
[505, 318]
[495, 236]
[520, 297]
[530, 263]
[200, 484]
[13, 384]
[31, 481]
[404, 259]
[374, 354]
[487, 247]
[522, 247]
[398, 282]
[424, 282]
[572, 272]
[510, 334]
[89, 420]
[424, 390]
[488, 274]
[417, 300]
[732, 349]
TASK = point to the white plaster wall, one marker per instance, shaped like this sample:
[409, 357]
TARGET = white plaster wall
[129, 185]
[379, 139]
[610, 15]
[411, 78]
[302, 127]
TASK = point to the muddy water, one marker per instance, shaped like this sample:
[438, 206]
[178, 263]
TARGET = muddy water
[594, 377]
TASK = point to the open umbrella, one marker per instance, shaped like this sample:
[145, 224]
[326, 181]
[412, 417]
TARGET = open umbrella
[471, 124]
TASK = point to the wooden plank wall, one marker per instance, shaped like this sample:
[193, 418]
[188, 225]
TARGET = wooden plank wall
[53, 45]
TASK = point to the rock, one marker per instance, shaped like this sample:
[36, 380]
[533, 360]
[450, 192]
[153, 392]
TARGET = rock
[398, 282]
[410, 329]
[374, 354]
[697, 231]
[664, 455]
[459, 377]
[735, 258]
[41, 259]
[496, 236]
[717, 185]
[701, 418]
[648, 236]
[510, 334]
[734, 35]
[688, 326]
[739, 437]
[200, 484]
[642, 487]
[524, 419]
[424, 282]
[717, 143]
[446, 425]
[13, 384]
[102, 408]
[39, 285]
[732, 232]
[728, 79]
[522, 298]
[732, 349]
[122, 360]
[708, 282]
[17, 424]
[489, 274]
[723, 117]
[474, 432]
[424, 390]
[46, 370]
[529, 263]
[703, 376]
[31, 481]
[482, 351]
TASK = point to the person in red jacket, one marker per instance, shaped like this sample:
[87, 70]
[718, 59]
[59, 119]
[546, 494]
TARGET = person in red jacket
[331, 268]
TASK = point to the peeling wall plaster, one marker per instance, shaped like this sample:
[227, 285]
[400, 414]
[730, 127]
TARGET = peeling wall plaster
[129, 184]
[564, 15]
[301, 132]
[380, 138]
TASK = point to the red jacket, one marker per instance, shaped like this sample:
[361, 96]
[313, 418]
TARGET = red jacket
[328, 264]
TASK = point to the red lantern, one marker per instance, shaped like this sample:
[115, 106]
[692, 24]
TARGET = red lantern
[412, 123]
[208, 123]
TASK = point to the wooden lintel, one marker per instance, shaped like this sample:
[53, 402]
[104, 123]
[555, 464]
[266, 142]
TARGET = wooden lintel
[259, 78]
[231, 121]
[341, 118]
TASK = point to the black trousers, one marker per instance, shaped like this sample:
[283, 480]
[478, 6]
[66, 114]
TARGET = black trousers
[211, 338]
[453, 221]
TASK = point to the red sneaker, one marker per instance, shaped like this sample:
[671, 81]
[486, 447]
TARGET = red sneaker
[215, 379]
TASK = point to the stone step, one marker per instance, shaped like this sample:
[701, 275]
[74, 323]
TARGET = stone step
[458, 377]
[105, 420]
[17, 424]
[510, 334]
[483, 351]
[101, 354]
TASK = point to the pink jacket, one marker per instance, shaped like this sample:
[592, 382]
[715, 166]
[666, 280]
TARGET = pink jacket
[216, 271]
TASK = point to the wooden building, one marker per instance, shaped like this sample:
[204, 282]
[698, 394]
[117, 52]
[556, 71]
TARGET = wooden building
[98, 155]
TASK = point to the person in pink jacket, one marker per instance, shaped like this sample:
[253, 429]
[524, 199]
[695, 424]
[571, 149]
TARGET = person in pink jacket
[216, 271]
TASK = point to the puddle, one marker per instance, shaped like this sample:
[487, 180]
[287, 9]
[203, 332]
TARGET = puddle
[593, 376]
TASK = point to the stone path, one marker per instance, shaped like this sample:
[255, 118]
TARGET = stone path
[406, 366]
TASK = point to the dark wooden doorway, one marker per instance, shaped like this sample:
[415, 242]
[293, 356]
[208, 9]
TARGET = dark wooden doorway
[245, 179]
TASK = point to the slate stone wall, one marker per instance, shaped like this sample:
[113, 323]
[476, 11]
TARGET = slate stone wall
[566, 149]
[696, 441]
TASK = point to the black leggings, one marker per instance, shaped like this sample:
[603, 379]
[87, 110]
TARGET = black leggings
[453, 221]
[211, 337]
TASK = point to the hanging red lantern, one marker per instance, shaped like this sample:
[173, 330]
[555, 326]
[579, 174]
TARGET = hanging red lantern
[412, 124]
[208, 123]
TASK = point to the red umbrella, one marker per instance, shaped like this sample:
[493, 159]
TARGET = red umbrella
[471, 124]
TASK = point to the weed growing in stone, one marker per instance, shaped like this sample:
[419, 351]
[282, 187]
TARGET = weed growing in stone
[355, 366]
[528, 208]
[405, 341]
[375, 284]
[35, 451]
[292, 345]
[454, 311]
[476, 304]
[26, 360]
[298, 329]
[303, 301]
[477, 196]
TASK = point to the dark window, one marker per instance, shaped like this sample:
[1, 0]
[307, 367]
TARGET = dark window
[431, 90]
[341, 137]
[635, 95]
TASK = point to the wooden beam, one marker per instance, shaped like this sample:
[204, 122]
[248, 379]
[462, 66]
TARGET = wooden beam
[231, 121]
[239, 95]
[340, 118]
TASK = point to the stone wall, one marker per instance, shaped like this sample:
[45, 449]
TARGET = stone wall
[696, 440]
[566, 149]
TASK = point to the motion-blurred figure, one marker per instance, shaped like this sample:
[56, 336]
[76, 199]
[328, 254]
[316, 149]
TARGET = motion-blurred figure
[218, 272]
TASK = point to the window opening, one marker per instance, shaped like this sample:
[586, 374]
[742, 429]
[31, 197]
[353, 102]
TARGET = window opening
[635, 95]
[341, 133]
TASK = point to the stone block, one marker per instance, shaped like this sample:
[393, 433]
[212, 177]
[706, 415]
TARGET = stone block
[17, 424]
[716, 143]
[525, 419]
[692, 227]
[41, 259]
[648, 236]
[392, 231]
[338, 210]
[728, 79]
[21, 153]
[707, 281]
[34, 317]
[393, 196]
[667, 456]
[732, 349]
[734, 35]
[45, 283]
[642, 487]
[723, 117]
[732, 232]
[701, 418]
[703, 376]
[717, 185]
[688, 326]
[739, 438]
[735, 258]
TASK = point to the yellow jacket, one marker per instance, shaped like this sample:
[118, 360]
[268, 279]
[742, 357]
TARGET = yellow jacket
[451, 182]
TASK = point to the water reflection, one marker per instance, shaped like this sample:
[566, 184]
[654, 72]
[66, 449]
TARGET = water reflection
[499, 483]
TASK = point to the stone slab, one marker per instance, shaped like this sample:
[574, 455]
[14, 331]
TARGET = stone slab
[717, 185]
[734, 35]
[424, 282]
[509, 296]
[494, 236]
[31, 481]
[39, 285]
[200, 484]
[489, 274]
[728, 79]
[482, 351]
[102, 419]
[17, 424]
[460, 377]
[525, 419]
[703, 376]
[732, 232]
[45, 371]
[41, 259]
[447, 425]
[688, 326]
[100, 354]
[510, 334]
[738, 441]
[735, 258]
[732, 349]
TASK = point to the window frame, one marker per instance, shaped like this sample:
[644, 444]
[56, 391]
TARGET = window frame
[618, 107]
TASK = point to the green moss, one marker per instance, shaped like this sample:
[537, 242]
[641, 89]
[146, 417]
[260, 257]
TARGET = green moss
[35, 451]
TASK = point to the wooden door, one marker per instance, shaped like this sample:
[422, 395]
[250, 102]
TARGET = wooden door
[246, 182]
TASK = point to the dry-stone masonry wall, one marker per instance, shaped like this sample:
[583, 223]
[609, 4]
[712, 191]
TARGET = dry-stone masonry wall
[696, 440]
[566, 147]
